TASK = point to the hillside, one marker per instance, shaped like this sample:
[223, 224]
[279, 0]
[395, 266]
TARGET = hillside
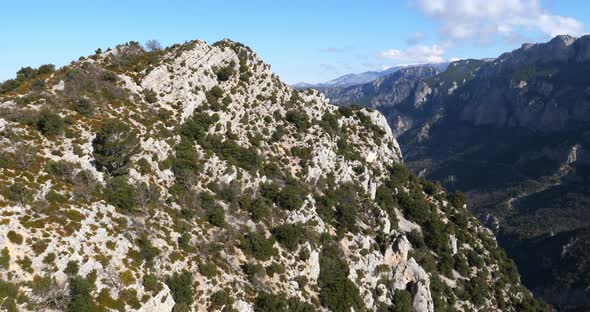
[192, 178]
[512, 133]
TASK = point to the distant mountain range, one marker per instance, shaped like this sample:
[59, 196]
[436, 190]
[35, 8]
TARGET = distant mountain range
[357, 79]
[514, 134]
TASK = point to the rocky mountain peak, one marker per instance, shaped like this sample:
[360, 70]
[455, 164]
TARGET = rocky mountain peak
[192, 178]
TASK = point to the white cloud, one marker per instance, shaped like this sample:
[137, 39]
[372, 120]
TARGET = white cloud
[416, 54]
[487, 20]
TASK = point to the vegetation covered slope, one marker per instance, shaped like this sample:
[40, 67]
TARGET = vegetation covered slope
[191, 178]
[513, 133]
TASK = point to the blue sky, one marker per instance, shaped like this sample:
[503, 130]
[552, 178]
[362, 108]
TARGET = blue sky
[303, 40]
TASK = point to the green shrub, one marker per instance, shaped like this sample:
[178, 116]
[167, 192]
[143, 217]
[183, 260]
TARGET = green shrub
[220, 299]
[72, 268]
[290, 197]
[19, 193]
[225, 73]
[14, 237]
[385, 200]
[81, 295]
[456, 199]
[290, 235]
[114, 145]
[5, 258]
[266, 302]
[253, 271]
[151, 283]
[61, 169]
[402, 301]
[85, 107]
[147, 250]
[337, 292]
[197, 126]
[150, 96]
[258, 208]
[216, 215]
[233, 153]
[216, 92]
[414, 206]
[208, 269]
[180, 285]
[299, 119]
[184, 241]
[416, 239]
[275, 268]
[8, 296]
[257, 245]
[121, 194]
[50, 123]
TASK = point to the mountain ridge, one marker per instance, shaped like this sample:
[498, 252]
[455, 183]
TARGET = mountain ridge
[192, 178]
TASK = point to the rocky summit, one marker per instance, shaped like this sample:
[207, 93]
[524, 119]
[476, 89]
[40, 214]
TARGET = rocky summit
[192, 179]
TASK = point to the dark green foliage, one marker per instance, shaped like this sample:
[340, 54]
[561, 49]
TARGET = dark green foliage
[434, 236]
[414, 205]
[337, 292]
[19, 193]
[14, 237]
[72, 268]
[24, 74]
[456, 199]
[443, 296]
[152, 283]
[253, 271]
[216, 92]
[291, 196]
[258, 208]
[50, 124]
[63, 170]
[150, 96]
[185, 163]
[225, 73]
[402, 301]
[476, 289]
[416, 239]
[184, 241]
[8, 296]
[81, 295]
[290, 235]
[384, 198]
[233, 153]
[216, 215]
[299, 119]
[446, 264]
[275, 268]
[180, 285]
[85, 107]
[221, 298]
[5, 258]
[461, 265]
[257, 245]
[399, 175]
[329, 123]
[345, 111]
[266, 302]
[121, 194]
[208, 269]
[339, 207]
[146, 249]
[114, 145]
[197, 126]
